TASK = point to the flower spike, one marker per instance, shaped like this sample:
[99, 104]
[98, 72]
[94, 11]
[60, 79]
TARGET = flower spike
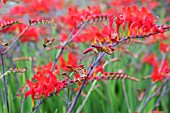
[8, 24]
[42, 21]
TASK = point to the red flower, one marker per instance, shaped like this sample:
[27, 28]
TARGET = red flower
[18, 10]
[8, 27]
[140, 21]
[63, 63]
[156, 75]
[118, 20]
[156, 111]
[31, 91]
[36, 6]
[45, 84]
[72, 61]
[98, 69]
[4, 1]
[153, 4]
[164, 47]
[88, 50]
[76, 16]
[151, 59]
[30, 35]
[46, 67]
[161, 72]
[165, 69]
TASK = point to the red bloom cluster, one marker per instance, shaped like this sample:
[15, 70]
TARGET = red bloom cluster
[98, 69]
[36, 7]
[30, 35]
[140, 21]
[45, 84]
[151, 59]
[164, 48]
[46, 67]
[72, 61]
[160, 71]
[4, 1]
[18, 10]
[76, 16]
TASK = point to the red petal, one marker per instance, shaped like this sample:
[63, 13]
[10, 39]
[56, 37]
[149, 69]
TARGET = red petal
[4, 1]
[28, 93]
[30, 83]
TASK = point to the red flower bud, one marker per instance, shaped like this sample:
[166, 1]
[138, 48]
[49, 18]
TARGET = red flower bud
[87, 50]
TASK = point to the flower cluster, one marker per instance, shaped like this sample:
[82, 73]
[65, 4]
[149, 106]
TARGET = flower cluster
[76, 16]
[161, 69]
[137, 22]
[46, 83]
[36, 7]
[72, 61]
[140, 21]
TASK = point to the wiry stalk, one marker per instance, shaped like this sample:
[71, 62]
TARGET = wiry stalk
[125, 95]
[160, 97]
[88, 94]
[153, 95]
[22, 106]
[17, 38]
[4, 81]
[69, 39]
[145, 95]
